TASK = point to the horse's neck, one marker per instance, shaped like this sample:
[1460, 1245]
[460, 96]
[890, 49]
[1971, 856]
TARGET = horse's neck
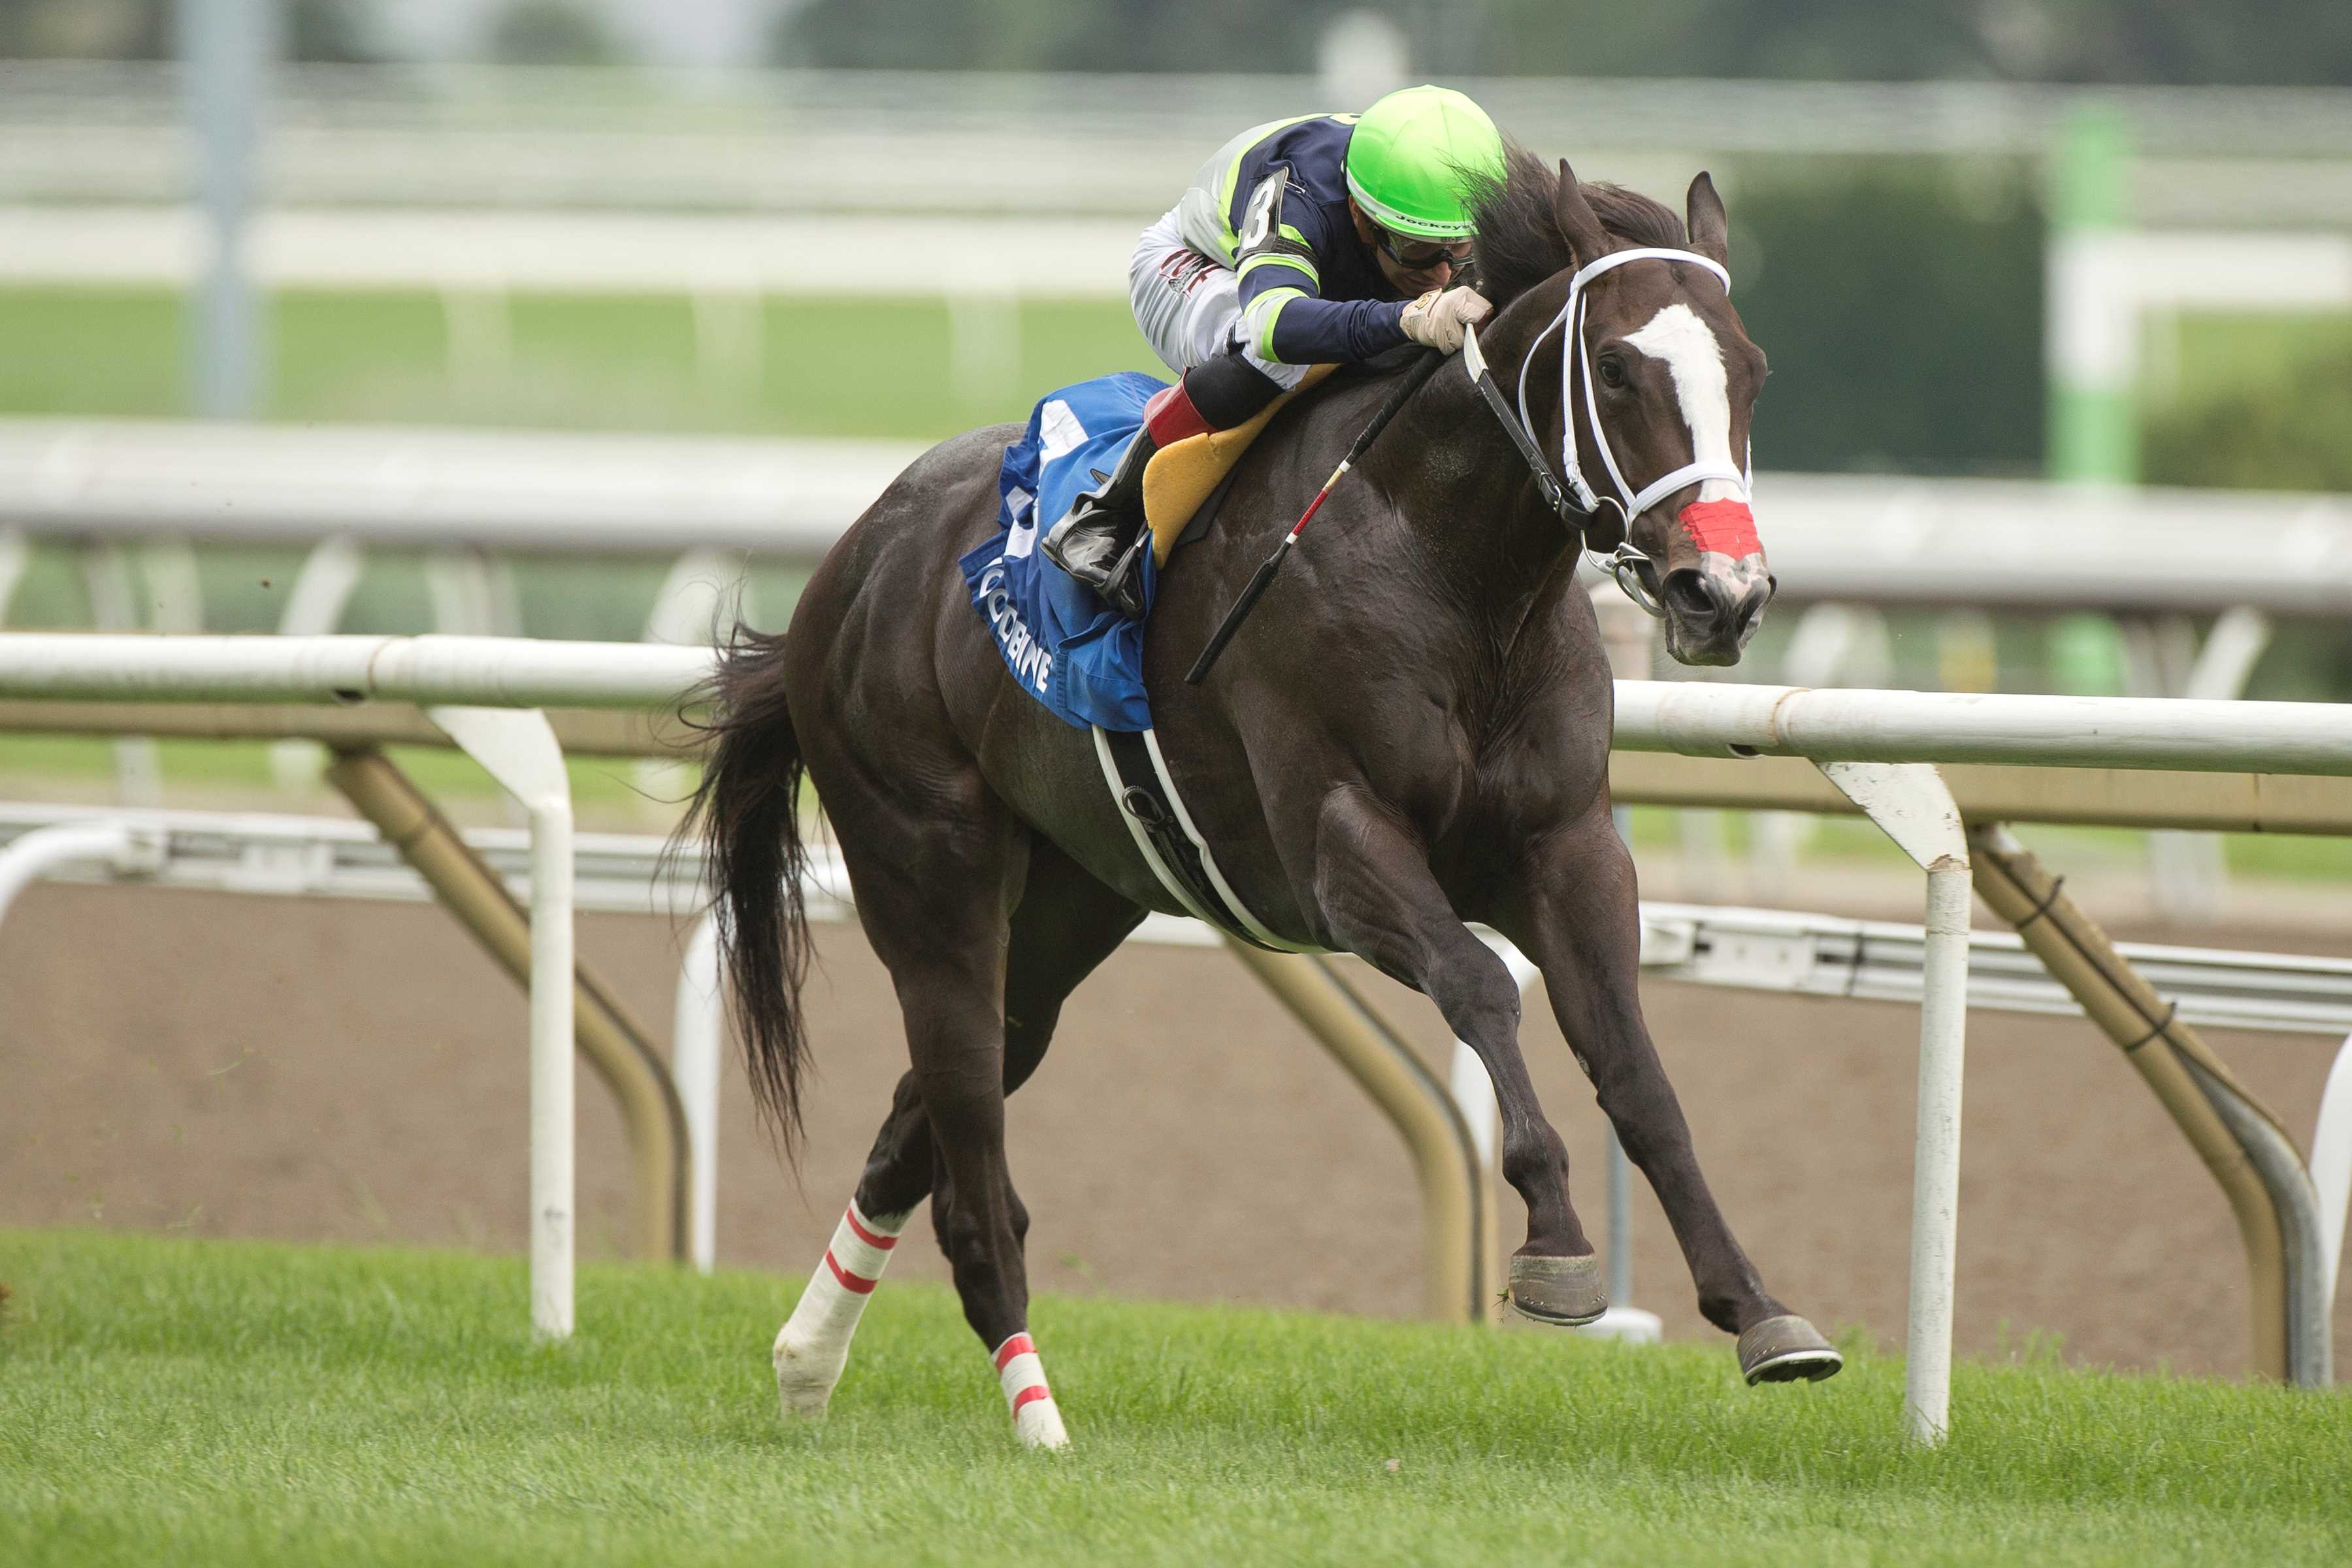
[1468, 502]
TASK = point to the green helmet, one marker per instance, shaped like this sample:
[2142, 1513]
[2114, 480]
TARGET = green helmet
[1408, 156]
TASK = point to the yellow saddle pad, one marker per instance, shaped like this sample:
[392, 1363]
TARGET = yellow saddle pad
[1181, 475]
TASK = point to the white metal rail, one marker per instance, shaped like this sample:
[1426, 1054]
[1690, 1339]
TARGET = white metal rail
[1881, 961]
[1694, 717]
[425, 488]
[1704, 720]
[1702, 944]
[506, 672]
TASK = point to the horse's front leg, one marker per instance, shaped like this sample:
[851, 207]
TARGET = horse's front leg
[1380, 899]
[1577, 917]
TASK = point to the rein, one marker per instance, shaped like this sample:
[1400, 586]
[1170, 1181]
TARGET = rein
[1625, 563]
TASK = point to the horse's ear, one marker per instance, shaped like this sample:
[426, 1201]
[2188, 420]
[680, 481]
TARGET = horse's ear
[1709, 229]
[1578, 223]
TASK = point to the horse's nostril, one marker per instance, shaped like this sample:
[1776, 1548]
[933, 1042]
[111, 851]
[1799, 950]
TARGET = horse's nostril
[1687, 596]
[1751, 611]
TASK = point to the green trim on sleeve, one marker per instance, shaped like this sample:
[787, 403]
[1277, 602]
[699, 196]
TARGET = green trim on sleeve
[1302, 265]
[1264, 311]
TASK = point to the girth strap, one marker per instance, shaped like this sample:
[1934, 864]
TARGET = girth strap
[1170, 845]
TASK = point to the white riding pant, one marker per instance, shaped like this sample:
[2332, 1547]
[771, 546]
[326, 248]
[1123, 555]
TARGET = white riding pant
[1189, 305]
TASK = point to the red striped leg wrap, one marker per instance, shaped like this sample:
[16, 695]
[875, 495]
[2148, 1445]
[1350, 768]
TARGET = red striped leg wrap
[1036, 1420]
[814, 1345]
[860, 1249]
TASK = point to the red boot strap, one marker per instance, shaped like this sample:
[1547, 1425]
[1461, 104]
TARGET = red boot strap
[1170, 416]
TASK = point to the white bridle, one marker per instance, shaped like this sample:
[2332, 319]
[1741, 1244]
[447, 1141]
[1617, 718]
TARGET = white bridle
[1628, 501]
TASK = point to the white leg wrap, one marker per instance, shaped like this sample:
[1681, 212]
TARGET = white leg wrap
[813, 1345]
[1036, 1420]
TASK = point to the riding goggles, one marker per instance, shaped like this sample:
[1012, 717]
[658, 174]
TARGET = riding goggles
[1420, 255]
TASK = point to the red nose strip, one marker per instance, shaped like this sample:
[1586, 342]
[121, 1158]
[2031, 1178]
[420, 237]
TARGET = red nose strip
[1724, 526]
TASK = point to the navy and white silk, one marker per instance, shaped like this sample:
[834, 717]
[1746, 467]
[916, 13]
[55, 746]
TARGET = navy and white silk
[1064, 647]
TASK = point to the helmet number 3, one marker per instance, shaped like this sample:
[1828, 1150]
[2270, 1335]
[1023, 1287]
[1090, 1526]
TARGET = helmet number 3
[1262, 220]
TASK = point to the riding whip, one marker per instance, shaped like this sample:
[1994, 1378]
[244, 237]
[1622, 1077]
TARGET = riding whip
[1410, 384]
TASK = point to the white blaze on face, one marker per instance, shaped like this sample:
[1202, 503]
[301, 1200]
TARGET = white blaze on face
[1702, 387]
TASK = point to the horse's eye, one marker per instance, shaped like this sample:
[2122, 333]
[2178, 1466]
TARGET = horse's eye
[1612, 374]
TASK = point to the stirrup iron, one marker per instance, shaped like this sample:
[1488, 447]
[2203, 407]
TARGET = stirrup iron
[1108, 520]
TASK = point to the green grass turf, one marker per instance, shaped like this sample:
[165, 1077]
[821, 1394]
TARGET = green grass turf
[2222, 353]
[171, 1400]
[812, 366]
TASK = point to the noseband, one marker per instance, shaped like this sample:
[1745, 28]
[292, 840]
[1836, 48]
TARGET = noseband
[1624, 563]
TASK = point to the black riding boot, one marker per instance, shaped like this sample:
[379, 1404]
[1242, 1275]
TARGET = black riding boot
[1101, 539]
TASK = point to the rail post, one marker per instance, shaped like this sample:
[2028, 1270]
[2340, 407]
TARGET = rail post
[1935, 1165]
[613, 1041]
[519, 751]
[698, 1025]
[2331, 1164]
[1910, 805]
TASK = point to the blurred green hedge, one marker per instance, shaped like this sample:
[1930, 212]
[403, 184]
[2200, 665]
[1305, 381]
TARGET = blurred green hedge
[1900, 304]
[2290, 429]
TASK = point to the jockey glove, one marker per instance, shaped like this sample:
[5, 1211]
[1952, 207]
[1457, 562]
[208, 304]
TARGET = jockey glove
[1438, 317]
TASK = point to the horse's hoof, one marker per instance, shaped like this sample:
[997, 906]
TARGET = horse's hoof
[1785, 1349]
[1039, 1426]
[804, 1380]
[1562, 1292]
[803, 1403]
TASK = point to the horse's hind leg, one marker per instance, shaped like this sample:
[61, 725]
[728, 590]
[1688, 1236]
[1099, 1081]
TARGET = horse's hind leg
[1581, 925]
[936, 899]
[1068, 923]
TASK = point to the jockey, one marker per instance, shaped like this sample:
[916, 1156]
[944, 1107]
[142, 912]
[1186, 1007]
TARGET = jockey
[1324, 239]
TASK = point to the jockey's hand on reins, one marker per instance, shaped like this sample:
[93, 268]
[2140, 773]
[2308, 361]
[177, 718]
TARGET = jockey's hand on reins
[1438, 318]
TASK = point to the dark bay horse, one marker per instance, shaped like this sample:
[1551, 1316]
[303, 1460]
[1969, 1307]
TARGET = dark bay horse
[1411, 732]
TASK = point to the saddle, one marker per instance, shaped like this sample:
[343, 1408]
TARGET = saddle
[1182, 475]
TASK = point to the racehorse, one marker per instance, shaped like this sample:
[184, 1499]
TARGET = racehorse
[1411, 734]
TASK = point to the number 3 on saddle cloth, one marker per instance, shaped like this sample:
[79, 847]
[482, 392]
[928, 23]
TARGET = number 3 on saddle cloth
[1072, 652]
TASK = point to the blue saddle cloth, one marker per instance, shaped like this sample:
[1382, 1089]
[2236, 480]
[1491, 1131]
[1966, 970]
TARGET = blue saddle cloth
[1080, 658]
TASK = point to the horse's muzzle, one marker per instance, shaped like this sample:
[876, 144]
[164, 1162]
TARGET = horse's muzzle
[1712, 609]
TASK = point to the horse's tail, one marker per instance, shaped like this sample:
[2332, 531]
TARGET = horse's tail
[746, 812]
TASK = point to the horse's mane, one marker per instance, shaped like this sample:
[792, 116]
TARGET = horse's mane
[1520, 243]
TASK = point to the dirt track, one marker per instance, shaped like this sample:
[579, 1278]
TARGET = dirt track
[258, 1067]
